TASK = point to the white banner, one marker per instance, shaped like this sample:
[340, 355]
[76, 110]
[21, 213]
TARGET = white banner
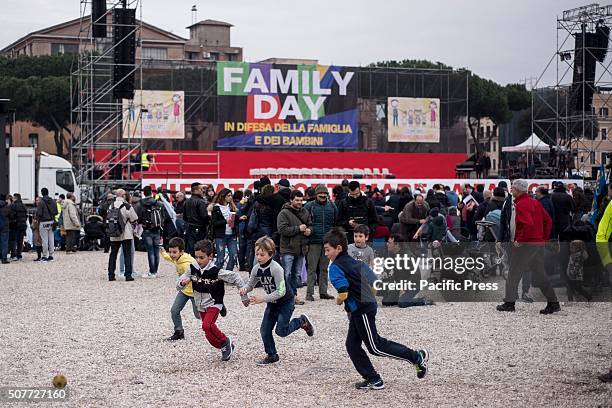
[382, 184]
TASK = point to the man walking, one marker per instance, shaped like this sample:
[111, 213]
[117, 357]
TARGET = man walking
[149, 212]
[46, 212]
[196, 218]
[323, 214]
[531, 229]
[120, 217]
[19, 224]
[294, 227]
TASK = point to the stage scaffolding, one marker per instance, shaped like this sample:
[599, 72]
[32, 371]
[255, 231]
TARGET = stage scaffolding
[95, 110]
[564, 115]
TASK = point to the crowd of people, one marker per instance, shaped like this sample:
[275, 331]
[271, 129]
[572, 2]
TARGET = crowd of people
[228, 228]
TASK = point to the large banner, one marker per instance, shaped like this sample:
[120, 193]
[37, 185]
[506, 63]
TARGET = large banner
[287, 106]
[157, 114]
[183, 184]
[415, 120]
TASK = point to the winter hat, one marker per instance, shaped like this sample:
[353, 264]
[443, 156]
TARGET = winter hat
[264, 181]
[284, 183]
[499, 192]
[521, 185]
[321, 189]
[502, 184]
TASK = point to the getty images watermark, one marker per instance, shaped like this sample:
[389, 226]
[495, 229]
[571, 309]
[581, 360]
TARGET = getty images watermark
[396, 273]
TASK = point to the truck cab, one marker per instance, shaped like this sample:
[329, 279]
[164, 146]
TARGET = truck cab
[27, 175]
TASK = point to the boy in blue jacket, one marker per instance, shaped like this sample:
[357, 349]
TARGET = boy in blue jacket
[353, 279]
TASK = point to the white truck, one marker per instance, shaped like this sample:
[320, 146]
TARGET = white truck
[27, 175]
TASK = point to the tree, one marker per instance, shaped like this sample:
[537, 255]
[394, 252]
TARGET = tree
[39, 89]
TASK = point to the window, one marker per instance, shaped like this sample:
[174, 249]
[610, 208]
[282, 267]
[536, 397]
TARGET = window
[592, 158]
[494, 147]
[33, 139]
[603, 112]
[154, 53]
[63, 178]
[59, 49]
[214, 56]
[493, 164]
[604, 133]
[488, 131]
[233, 57]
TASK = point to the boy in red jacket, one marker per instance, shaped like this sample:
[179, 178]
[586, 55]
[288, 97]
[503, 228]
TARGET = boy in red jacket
[529, 228]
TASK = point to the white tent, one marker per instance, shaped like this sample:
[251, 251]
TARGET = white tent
[533, 144]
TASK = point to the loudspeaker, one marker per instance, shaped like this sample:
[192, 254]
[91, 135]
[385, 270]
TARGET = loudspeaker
[124, 41]
[98, 18]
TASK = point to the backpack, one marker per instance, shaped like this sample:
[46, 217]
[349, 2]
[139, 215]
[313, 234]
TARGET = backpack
[115, 222]
[151, 216]
[494, 216]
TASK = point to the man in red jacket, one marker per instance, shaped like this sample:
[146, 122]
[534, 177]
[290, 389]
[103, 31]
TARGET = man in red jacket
[528, 232]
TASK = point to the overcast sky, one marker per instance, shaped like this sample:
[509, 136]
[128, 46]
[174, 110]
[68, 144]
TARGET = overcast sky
[503, 40]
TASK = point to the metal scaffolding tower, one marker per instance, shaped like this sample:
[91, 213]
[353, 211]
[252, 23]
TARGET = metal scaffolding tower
[564, 114]
[104, 154]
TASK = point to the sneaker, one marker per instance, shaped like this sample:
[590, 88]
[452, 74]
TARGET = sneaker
[307, 325]
[129, 278]
[298, 301]
[525, 298]
[14, 259]
[178, 335]
[149, 275]
[310, 298]
[227, 350]
[267, 360]
[607, 377]
[38, 259]
[50, 259]
[551, 307]
[325, 296]
[44, 260]
[421, 367]
[506, 307]
[370, 385]
[5, 261]
[223, 311]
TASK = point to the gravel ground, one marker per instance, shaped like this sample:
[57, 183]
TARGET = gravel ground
[107, 338]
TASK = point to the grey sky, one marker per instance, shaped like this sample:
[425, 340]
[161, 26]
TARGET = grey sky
[503, 40]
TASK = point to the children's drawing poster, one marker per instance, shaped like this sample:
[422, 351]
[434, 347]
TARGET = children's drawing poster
[415, 120]
[154, 115]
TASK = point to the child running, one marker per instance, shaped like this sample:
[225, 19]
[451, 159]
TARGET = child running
[279, 302]
[352, 279]
[208, 291]
[182, 261]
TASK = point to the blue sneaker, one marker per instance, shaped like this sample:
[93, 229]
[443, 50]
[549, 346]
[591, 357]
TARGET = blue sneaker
[421, 367]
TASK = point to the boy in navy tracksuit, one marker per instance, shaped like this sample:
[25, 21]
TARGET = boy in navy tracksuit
[352, 279]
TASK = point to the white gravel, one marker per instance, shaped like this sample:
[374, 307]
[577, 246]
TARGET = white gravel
[107, 338]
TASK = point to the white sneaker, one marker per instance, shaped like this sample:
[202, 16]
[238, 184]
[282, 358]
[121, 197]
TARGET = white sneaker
[149, 275]
[121, 275]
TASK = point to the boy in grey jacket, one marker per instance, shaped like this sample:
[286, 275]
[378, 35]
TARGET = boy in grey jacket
[279, 300]
[208, 282]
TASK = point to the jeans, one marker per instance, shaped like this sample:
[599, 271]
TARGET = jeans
[317, 262]
[48, 238]
[126, 247]
[278, 314]
[151, 243]
[122, 259]
[221, 244]
[4, 239]
[362, 329]
[17, 247]
[242, 254]
[180, 301]
[193, 235]
[292, 264]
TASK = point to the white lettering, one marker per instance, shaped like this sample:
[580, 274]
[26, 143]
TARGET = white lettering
[259, 101]
[256, 81]
[342, 82]
[229, 78]
[314, 106]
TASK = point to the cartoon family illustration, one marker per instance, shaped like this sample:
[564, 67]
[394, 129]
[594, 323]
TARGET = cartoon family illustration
[158, 111]
[414, 117]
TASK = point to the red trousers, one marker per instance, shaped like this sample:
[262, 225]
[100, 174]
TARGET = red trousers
[215, 337]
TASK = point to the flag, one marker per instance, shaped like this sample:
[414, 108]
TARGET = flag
[599, 191]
